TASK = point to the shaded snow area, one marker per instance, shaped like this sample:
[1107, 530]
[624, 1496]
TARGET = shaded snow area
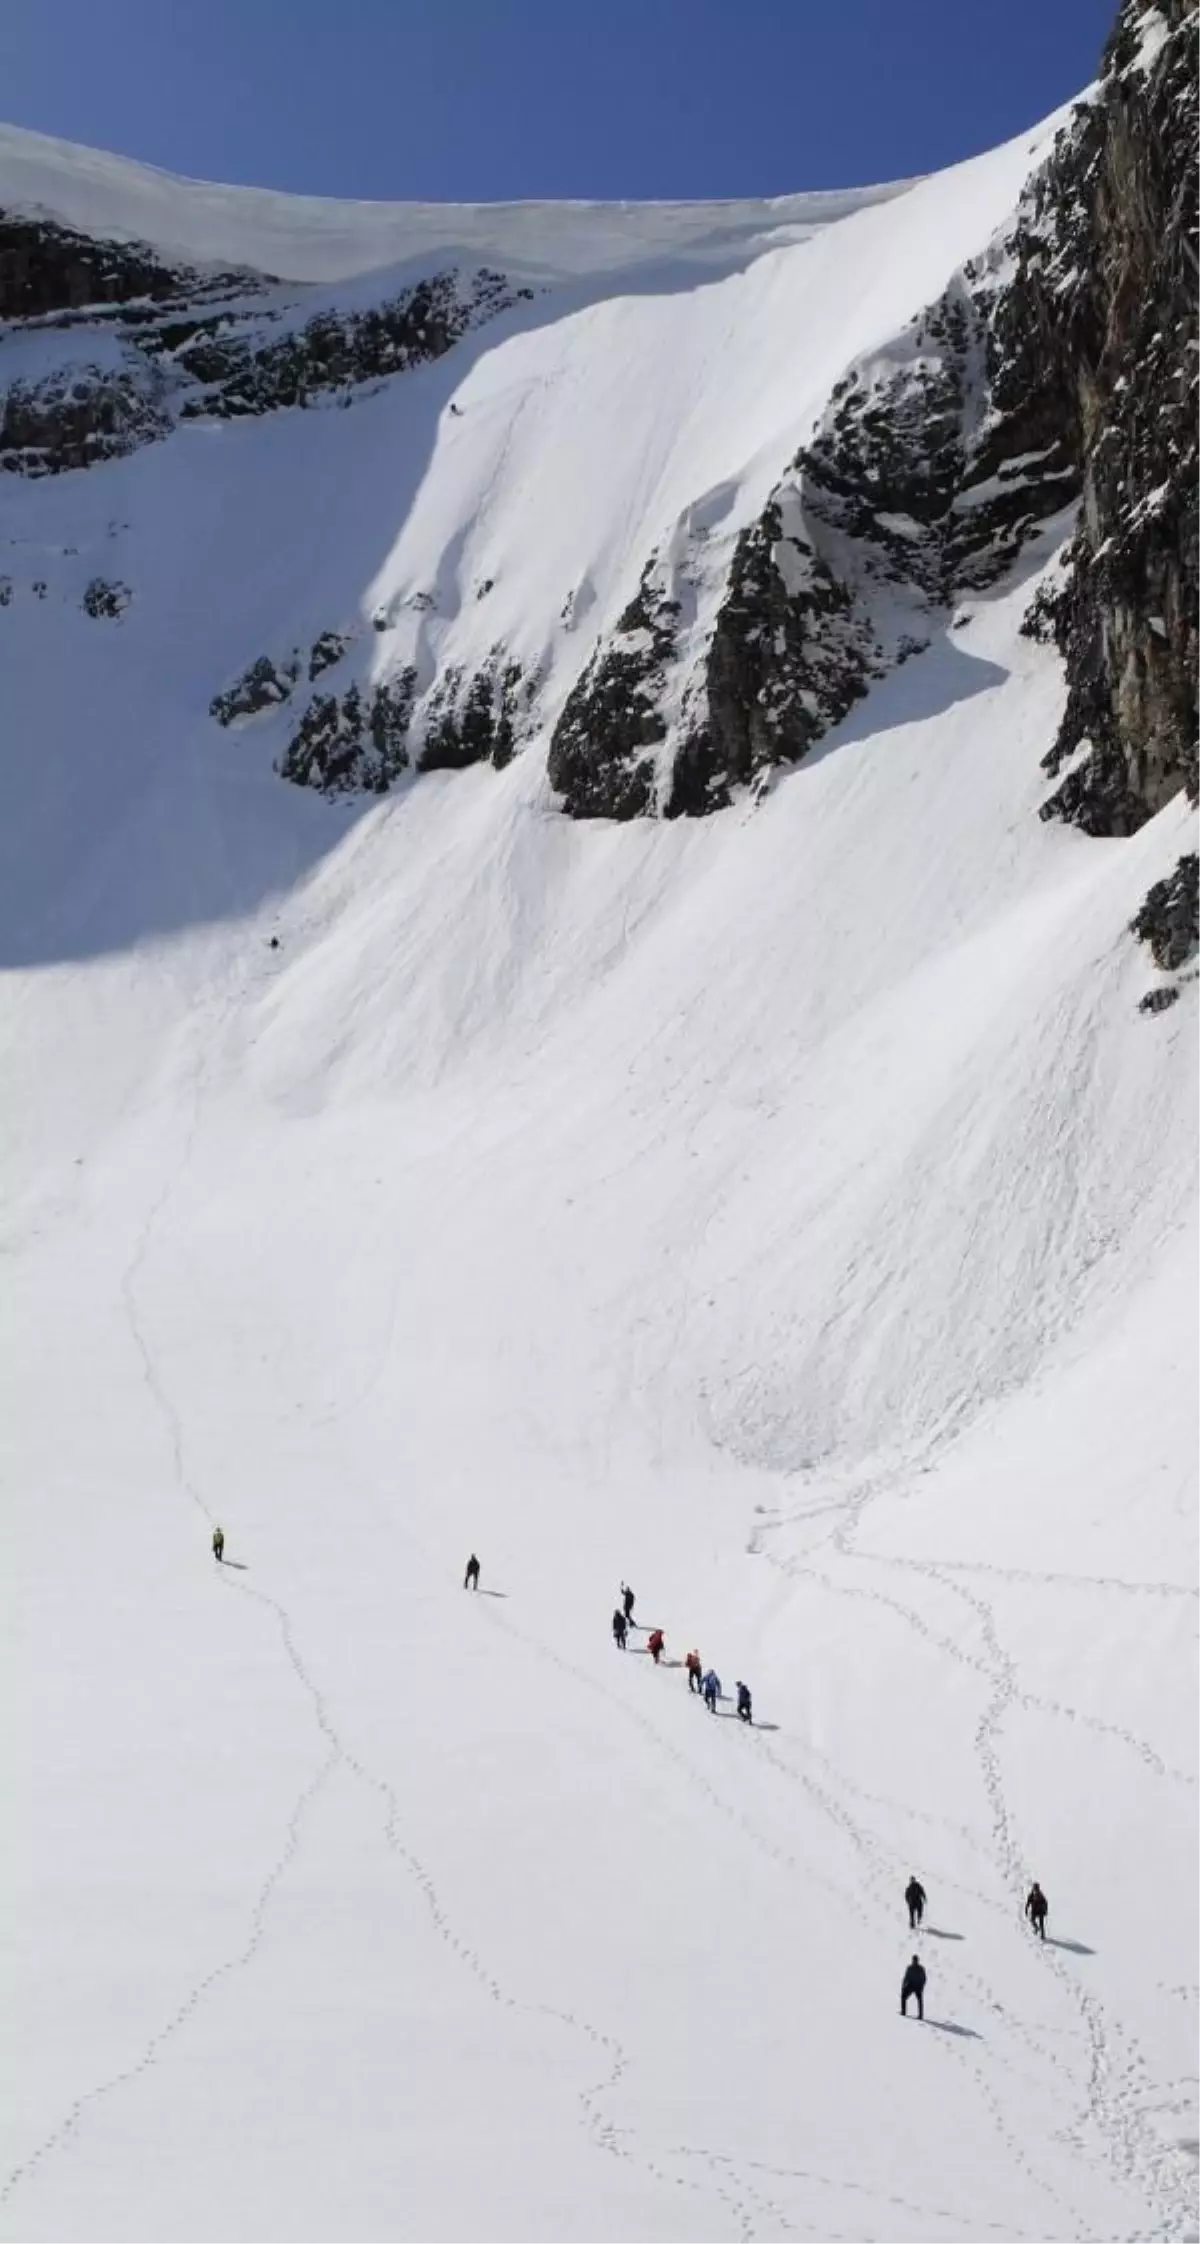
[787, 1212]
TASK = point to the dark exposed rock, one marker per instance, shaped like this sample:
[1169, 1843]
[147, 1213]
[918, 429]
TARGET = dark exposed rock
[1157, 1001]
[263, 685]
[350, 746]
[917, 485]
[80, 414]
[338, 350]
[1169, 920]
[1042, 620]
[790, 654]
[326, 650]
[174, 343]
[602, 750]
[1106, 271]
[474, 727]
[46, 267]
[105, 598]
[1056, 366]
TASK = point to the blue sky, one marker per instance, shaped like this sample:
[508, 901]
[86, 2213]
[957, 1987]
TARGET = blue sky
[496, 99]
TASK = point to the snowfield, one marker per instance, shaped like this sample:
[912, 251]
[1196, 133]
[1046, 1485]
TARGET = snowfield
[789, 1213]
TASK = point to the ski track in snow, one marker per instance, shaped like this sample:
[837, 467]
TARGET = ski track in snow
[1117, 2073]
[1113, 2114]
[607, 2138]
[552, 1003]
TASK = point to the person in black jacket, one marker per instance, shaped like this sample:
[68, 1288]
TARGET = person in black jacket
[914, 1894]
[1037, 1908]
[913, 1983]
[471, 1577]
[620, 1629]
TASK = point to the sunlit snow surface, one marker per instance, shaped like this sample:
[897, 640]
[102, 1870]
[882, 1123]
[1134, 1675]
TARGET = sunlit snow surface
[790, 1213]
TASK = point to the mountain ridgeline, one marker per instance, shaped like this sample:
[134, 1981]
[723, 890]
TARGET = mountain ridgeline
[1048, 391]
[1057, 372]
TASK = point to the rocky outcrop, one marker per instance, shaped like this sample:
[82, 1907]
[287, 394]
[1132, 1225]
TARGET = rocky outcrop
[353, 743]
[919, 484]
[1169, 920]
[79, 414]
[326, 651]
[127, 344]
[791, 652]
[263, 685]
[238, 375]
[1106, 282]
[103, 597]
[1056, 367]
[930, 458]
[46, 267]
[477, 722]
[603, 749]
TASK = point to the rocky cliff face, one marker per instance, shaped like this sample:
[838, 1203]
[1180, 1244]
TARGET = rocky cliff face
[1051, 385]
[1058, 368]
[110, 346]
[930, 469]
[1107, 277]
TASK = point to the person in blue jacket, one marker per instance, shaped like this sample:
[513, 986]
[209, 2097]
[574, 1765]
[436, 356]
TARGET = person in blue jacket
[712, 1690]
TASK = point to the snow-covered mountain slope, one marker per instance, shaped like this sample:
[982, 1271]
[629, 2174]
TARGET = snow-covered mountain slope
[305, 238]
[790, 1211]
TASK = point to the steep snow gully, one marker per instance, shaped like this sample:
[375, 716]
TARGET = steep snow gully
[790, 1211]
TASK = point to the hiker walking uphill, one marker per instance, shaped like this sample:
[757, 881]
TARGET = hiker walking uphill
[471, 1577]
[913, 1983]
[655, 1645]
[914, 1894]
[694, 1671]
[1037, 1909]
[627, 1603]
[620, 1629]
[712, 1690]
[744, 1707]
[218, 1542]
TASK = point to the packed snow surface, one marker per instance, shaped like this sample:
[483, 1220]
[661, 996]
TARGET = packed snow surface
[788, 1213]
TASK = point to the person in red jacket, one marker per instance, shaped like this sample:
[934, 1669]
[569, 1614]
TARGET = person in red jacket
[654, 1645]
[694, 1671]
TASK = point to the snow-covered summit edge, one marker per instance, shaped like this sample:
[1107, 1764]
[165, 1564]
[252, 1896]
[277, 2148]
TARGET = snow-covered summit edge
[315, 238]
[687, 479]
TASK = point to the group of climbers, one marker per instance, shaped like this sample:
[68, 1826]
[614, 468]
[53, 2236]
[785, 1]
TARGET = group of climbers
[912, 1986]
[706, 1683]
